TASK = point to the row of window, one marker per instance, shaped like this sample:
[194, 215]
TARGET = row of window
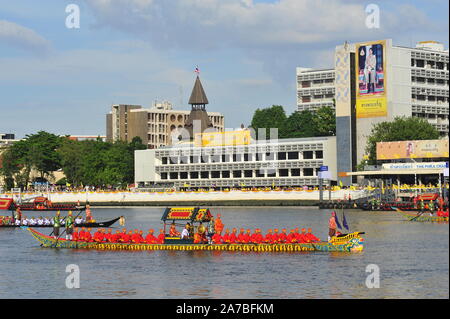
[294, 172]
[247, 157]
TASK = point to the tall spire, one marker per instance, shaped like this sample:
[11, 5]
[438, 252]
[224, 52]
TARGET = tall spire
[198, 120]
[198, 97]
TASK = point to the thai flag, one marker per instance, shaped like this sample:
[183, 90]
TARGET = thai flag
[197, 70]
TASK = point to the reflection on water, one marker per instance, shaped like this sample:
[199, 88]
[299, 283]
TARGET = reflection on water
[413, 260]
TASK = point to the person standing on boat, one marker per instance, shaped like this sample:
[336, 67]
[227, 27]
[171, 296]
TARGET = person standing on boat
[88, 213]
[332, 226]
[69, 225]
[431, 207]
[185, 232]
[56, 224]
[218, 225]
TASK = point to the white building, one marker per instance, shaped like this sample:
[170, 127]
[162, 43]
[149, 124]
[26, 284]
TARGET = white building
[284, 162]
[405, 82]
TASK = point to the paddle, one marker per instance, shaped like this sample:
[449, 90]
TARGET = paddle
[418, 215]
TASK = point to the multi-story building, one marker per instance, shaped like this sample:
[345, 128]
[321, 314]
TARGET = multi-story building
[154, 125]
[284, 162]
[401, 81]
[315, 89]
[7, 139]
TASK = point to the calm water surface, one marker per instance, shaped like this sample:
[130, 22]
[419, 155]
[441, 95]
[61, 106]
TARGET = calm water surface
[413, 259]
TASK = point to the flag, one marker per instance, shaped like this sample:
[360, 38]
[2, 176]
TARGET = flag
[340, 183]
[197, 70]
[337, 222]
[344, 221]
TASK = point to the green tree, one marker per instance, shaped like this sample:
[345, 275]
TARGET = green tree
[43, 147]
[272, 117]
[401, 129]
[300, 124]
[325, 121]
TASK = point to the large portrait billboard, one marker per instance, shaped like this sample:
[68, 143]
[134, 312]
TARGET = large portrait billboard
[412, 149]
[371, 79]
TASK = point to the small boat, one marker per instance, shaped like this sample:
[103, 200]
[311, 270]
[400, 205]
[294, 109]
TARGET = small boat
[39, 204]
[104, 224]
[421, 217]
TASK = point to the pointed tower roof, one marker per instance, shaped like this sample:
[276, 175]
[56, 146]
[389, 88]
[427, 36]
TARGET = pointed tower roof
[198, 96]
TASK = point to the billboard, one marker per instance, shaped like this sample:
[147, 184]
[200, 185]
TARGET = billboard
[371, 79]
[412, 149]
[241, 137]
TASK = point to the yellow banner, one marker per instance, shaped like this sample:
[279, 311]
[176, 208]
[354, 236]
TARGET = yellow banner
[412, 149]
[375, 107]
[222, 138]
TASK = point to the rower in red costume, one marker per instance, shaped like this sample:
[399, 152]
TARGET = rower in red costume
[257, 237]
[241, 236]
[98, 236]
[88, 236]
[283, 236]
[136, 238]
[247, 236]
[173, 231]
[297, 234]
[303, 238]
[233, 236]
[82, 234]
[116, 237]
[161, 237]
[150, 238]
[108, 235]
[123, 235]
[226, 237]
[291, 238]
[218, 225]
[216, 238]
[275, 236]
[75, 236]
[311, 237]
[268, 238]
[130, 234]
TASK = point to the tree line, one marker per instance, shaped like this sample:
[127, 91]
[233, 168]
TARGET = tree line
[306, 123]
[89, 162]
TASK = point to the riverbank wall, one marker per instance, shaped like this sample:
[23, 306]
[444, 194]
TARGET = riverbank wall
[194, 198]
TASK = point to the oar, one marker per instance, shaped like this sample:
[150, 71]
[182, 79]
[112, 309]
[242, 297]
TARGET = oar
[56, 242]
[418, 215]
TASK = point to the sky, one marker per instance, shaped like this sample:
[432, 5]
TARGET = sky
[64, 80]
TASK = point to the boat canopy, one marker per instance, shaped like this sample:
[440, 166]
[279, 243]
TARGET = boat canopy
[193, 214]
[6, 203]
[428, 196]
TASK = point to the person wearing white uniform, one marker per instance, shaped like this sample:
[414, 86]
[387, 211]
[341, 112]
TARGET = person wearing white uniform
[185, 233]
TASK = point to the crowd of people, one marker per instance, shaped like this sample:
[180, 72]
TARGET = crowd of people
[35, 221]
[125, 236]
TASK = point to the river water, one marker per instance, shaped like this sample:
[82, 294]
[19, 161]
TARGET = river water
[412, 257]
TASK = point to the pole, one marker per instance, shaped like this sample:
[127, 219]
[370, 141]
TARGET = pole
[320, 190]
[329, 190]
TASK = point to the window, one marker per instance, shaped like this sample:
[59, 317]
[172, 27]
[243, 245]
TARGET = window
[295, 172]
[173, 175]
[164, 160]
[270, 156]
[215, 174]
[308, 172]
[281, 156]
[194, 175]
[319, 154]
[204, 174]
[163, 175]
[248, 173]
[292, 155]
[183, 175]
[308, 155]
[259, 173]
[283, 172]
[237, 174]
[225, 174]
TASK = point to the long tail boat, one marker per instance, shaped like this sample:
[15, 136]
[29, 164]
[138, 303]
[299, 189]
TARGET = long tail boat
[104, 224]
[352, 242]
[421, 217]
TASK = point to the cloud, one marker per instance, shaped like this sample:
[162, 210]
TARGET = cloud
[23, 38]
